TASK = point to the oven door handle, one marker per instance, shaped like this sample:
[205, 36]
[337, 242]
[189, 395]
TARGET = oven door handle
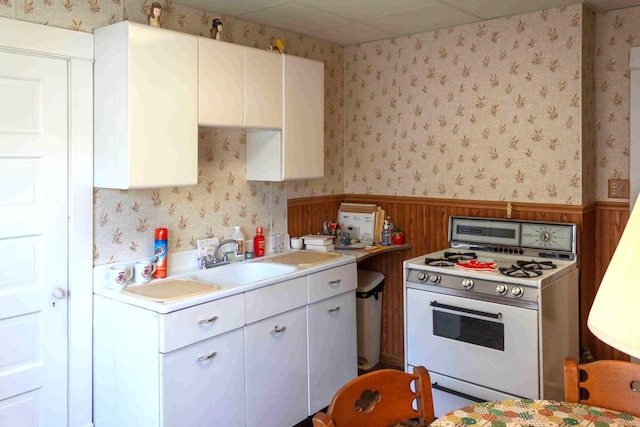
[436, 386]
[467, 310]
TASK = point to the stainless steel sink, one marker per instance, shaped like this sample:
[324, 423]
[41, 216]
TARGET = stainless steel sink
[242, 273]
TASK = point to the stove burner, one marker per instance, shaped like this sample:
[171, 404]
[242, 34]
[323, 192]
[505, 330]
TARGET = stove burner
[449, 259]
[460, 256]
[536, 265]
[439, 262]
[518, 271]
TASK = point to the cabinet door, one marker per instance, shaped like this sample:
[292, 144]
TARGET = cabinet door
[220, 83]
[262, 89]
[203, 384]
[276, 370]
[146, 107]
[303, 131]
[333, 348]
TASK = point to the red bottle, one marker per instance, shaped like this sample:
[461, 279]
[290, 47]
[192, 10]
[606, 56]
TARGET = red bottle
[258, 243]
[161, 252]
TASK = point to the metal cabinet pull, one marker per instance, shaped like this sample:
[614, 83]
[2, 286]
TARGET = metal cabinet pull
[278, 329]
[205, 321]
[208, 356]
[334, 282]
[335, 309]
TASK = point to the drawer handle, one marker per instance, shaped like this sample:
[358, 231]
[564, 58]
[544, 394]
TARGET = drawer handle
[334, 310]
[334, 282]
[278, 329]
[208, 356]
[205, 321]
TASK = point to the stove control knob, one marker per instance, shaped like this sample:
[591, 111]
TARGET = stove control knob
[517, 291]
[467, 283]
[501, 288]
[422, 276]
[434, 278]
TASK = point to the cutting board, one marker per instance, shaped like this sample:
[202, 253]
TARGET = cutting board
[171, 290]
[305, 258]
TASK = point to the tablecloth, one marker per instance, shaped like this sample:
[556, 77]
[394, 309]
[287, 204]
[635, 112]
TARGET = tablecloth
[527, 412]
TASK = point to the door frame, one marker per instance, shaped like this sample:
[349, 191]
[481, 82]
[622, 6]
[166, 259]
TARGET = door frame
[77, 49]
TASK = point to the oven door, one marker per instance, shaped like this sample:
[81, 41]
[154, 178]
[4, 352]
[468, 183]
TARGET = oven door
[484, 343]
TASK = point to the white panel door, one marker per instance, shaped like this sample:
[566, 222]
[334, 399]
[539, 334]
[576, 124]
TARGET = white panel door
[33, 240]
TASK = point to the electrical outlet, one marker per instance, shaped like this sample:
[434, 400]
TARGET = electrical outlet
[618, 188]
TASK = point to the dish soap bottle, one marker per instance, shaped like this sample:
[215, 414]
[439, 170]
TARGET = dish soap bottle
[258, 243]
[239, 237]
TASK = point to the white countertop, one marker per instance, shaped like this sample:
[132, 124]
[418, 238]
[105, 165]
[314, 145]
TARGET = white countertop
[179, 267]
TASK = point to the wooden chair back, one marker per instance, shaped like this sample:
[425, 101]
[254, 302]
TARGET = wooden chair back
[611, 384]
[379, 399]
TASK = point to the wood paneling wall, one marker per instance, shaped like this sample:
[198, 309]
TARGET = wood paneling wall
[610, 221]
[425, 224]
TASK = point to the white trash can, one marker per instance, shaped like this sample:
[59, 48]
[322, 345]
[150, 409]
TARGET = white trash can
[369, 315]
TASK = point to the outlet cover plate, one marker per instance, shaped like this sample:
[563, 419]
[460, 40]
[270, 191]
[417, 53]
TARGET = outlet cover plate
[618, 188]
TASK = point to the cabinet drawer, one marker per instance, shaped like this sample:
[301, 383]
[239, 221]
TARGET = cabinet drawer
[203, 321]
[275, 299]
[328, 283]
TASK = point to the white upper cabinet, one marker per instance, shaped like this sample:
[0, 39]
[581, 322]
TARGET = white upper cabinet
[297, 152]
[146, 107]
[263, 89]
[303, 132]
[220, 83]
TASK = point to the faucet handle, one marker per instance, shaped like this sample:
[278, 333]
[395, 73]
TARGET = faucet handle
[225, 255]
[205, 261]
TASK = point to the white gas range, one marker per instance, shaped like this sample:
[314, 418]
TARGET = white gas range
[493, 316]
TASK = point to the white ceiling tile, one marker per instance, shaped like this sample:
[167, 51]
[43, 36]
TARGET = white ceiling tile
[351, 34]
[229, 7]
[381, 18]
[295, 17]
[425, 19]
[604, 5]
[489, 9]
[359, 10]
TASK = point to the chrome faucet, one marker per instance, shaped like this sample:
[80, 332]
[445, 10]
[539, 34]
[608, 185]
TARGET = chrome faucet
[212, 260]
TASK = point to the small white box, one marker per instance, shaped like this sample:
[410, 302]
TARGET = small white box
[359, 225]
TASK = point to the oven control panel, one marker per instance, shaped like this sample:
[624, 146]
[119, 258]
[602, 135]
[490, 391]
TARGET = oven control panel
[471, 287]
[543, 239]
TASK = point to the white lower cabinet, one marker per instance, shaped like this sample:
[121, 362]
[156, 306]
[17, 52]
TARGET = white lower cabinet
[137, 383]
[276, 370]
[203, 384]
[333, 349]
[268, 357]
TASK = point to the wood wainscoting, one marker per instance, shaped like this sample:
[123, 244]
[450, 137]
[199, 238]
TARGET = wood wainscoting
[425, 224]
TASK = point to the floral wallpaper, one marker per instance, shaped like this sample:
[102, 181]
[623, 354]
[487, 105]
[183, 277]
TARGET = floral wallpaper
[489, 111]
[617, 32]
[124, 221]
[532, 108]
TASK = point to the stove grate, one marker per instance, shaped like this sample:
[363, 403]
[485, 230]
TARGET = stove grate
[517, 271]
[536, 265]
